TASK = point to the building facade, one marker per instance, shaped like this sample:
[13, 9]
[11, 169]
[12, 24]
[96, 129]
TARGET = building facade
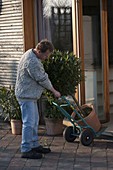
[81, 26]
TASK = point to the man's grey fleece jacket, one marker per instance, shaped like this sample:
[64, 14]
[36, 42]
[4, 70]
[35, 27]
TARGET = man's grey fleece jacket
[31, 77]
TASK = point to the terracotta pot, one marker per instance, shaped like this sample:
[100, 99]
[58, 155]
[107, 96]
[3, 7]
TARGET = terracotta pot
[16, 127]
[54, 126]
[91, 119]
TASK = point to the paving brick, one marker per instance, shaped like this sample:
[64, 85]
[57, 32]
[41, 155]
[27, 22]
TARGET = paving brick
[98, 165]
[64, 155]
[31, 168]
[110, 164]
[48, 168]
[31, 163]
[79, 160]
[65, 167]
[4, 163]
[3, 168]
[99, 168]
[81, 167]
[15, 168]
[17, 162]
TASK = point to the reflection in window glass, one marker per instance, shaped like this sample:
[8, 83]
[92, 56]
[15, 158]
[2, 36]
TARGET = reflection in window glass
[57, 23]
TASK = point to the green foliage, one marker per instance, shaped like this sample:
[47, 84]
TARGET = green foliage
[53, 112]
[64, 70]
[9, 104]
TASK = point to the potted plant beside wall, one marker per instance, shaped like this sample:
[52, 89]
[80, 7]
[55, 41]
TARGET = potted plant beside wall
[53, 120]
[64, 70]
[10, 109]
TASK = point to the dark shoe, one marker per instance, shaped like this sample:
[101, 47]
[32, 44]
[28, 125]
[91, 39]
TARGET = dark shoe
[31, 155]
[41, 149]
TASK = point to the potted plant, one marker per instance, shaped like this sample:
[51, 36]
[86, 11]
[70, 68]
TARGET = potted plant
[64, 70]
[88, 113]
[10, 109]
[90, 117]
[53, 120]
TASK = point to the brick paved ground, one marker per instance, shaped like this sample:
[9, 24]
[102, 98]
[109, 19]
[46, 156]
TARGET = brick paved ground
[64, 156]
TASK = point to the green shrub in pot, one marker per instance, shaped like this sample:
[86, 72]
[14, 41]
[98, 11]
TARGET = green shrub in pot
[64, 70]
[10, 110]
[9, 104]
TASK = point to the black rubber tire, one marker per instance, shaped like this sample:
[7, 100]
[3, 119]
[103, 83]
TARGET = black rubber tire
[86, 137]
[68, 134]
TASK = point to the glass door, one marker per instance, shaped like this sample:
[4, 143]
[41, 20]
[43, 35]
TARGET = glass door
[94, 56]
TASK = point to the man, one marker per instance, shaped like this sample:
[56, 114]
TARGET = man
[30, 83]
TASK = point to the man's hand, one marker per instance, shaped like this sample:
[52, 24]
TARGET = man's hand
[56, 93]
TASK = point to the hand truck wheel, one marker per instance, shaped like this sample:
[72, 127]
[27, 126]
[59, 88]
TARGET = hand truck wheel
[86, 137]
[68, 134]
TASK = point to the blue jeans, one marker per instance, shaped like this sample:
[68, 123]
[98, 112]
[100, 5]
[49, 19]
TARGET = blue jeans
[30, 120]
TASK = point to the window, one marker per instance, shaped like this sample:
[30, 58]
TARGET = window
[57, 24]
[110, 31]
[61, 28]
[92, 34]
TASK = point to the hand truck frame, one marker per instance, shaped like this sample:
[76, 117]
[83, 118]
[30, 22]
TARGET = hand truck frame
[85, 132]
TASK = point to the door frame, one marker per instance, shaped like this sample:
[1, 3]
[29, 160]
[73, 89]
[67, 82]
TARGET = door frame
[28, 24]
[77, 14]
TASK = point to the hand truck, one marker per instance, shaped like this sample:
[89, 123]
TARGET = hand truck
[85, 132]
